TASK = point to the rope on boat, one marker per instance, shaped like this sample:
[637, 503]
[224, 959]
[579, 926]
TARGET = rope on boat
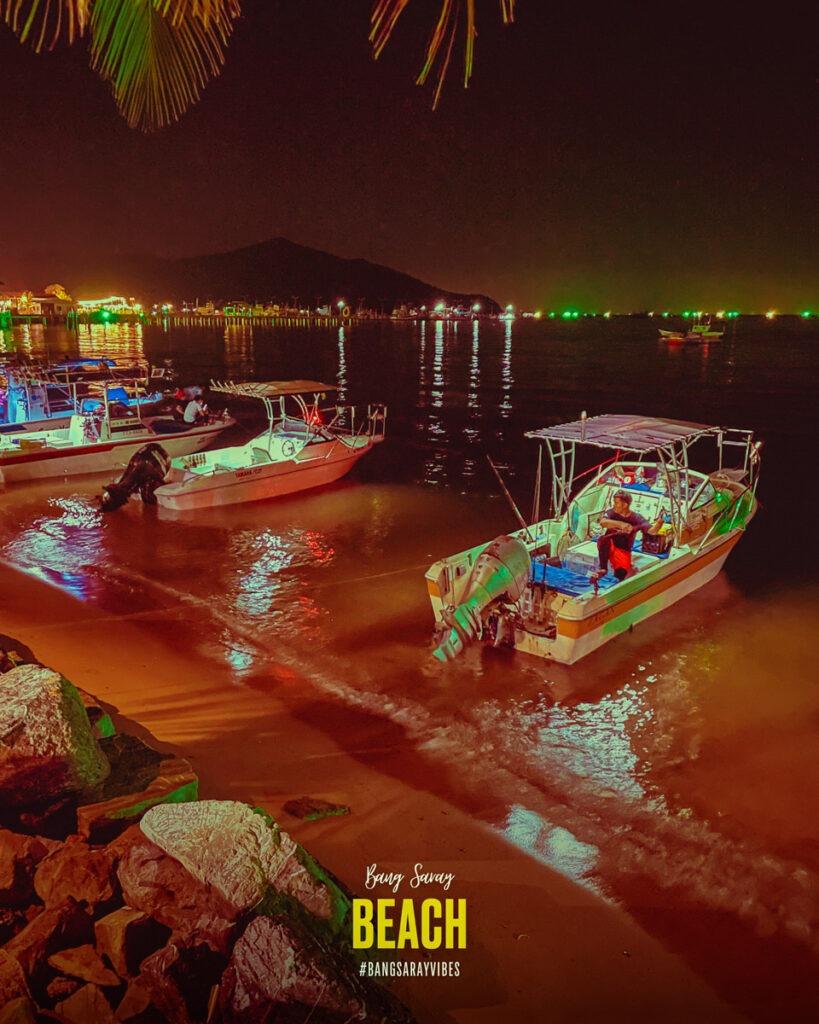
[373, 576]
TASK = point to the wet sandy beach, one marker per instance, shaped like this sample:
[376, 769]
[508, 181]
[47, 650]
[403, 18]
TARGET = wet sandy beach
[537, 942]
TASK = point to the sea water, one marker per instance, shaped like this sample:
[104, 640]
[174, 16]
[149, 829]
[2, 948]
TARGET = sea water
[675, 771]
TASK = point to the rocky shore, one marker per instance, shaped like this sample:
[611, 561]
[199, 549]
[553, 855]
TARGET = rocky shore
[125, 898]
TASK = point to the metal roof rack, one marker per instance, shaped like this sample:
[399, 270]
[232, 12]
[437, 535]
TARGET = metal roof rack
[625, 433]
[270, 388]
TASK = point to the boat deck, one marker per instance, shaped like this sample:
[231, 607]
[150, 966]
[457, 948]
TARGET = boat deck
[572, 577]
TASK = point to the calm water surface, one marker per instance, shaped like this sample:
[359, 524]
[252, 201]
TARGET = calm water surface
[674, 770]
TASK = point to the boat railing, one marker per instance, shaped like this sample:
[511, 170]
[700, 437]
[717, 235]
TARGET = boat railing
[373, 425]
[377, 420]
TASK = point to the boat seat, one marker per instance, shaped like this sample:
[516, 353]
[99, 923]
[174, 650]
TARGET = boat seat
[261, 455]
[582, 558]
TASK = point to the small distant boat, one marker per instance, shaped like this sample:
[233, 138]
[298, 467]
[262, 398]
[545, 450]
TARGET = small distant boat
[539, 590]
[700, 331]
[303, 446]
[404, 313]
[97, 440]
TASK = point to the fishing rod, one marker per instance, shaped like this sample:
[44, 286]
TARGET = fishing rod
[510, 499]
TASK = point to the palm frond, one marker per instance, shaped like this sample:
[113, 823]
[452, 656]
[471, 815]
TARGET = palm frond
[44, 22]
[385, 14]
[158, 65]
[204, 10]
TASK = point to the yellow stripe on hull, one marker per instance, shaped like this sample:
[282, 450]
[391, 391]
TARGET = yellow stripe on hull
[580, 636]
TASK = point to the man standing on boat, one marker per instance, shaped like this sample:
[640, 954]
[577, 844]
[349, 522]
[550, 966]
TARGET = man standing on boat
[621, 526]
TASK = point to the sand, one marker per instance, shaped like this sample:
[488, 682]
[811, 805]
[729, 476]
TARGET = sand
[539, 946]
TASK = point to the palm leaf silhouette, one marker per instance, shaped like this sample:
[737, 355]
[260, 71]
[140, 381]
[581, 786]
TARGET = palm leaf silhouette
[158, 55]
[385, 14]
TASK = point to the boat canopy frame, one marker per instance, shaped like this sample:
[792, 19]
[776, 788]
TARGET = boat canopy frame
[273, 393]
[98, 391]
[31, 384]
[669, 440]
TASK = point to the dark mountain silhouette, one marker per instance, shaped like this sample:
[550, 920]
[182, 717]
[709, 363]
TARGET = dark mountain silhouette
[277, 271]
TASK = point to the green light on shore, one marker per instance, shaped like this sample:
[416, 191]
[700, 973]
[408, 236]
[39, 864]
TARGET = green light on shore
[106, 315]
[807, 313]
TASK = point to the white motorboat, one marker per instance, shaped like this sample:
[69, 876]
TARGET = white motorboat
[303, 446]
[96, 440]
[539, 589]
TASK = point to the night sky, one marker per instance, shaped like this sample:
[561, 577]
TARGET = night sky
[624, 157]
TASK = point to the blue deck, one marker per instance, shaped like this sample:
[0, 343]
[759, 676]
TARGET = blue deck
[567, 582]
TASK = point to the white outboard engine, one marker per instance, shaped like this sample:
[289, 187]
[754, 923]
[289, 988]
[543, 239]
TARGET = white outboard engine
[500, 573]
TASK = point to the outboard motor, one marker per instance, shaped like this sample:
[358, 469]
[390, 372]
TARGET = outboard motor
[500, 572]
[144, 473]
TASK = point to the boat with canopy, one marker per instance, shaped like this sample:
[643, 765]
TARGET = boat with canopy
[304, 445]
[101, 437]
[540, 590]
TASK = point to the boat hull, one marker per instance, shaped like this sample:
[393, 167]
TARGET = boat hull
[583, 630]
[259, 482]
[586, 619]
[105, 456]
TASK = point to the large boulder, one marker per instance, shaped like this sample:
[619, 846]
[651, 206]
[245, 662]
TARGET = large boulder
[163, 889]
[279, 972]
[47, 747]
[236, 850]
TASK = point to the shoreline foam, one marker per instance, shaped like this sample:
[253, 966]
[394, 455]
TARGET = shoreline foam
[537, 942]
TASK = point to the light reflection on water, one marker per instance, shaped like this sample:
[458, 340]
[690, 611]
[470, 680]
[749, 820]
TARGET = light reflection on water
[435, 467]
[239, 351]
[341, 375]
[682, 755]
[60, 545]
[507, 380]
[124, 342]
